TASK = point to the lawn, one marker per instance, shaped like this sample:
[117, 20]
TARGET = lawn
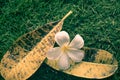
[97, 21]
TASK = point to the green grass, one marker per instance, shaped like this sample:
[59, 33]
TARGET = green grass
[98, 21]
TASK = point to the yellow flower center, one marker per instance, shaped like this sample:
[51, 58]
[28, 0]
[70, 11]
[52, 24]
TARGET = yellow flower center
[64, 48]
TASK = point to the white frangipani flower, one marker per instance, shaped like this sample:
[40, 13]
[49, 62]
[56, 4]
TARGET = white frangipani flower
[67, 51]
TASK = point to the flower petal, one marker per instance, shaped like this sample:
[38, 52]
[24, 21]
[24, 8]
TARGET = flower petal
[54, 53]
[62, 38]
[63, 62]
[76, 55]
[77, 42]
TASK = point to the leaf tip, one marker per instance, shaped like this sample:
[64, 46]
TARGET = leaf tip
[70, 12]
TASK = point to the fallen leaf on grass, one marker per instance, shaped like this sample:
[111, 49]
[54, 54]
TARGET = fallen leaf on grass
[97, 64]
[27, 54]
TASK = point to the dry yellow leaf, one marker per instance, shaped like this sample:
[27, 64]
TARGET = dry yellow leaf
[26, 55]
[97, 64]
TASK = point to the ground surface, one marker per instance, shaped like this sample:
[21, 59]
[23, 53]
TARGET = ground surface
[98, 21]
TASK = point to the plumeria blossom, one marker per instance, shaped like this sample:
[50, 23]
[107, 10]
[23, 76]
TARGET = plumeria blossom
[67, 51]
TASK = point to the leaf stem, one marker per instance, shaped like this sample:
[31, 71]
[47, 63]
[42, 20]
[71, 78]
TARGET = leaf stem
[70, 12]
